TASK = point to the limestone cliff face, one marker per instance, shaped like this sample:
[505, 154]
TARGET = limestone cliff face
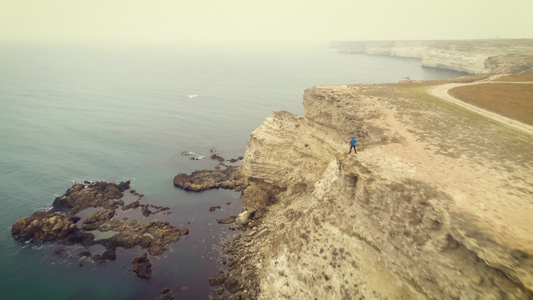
[405, 218]
[468, 56]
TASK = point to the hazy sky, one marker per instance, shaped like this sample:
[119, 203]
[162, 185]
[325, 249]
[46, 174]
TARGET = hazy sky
[264, 20]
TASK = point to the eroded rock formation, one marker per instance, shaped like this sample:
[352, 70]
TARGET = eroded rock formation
[97, 194]
[142, 266]
[46, 227]
[229, 178]
[59, 224]
[422, 211]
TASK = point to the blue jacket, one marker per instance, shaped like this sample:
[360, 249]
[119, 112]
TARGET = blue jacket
[353, 141]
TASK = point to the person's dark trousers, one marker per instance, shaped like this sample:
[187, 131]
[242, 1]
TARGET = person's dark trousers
[353, 149]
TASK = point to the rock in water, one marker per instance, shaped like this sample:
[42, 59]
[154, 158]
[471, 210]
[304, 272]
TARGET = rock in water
[213, 208]
[142, 266]
[59, 224]
[226, 220]
[96, 194]
[230, 178]
[166, 294]
[46, 227]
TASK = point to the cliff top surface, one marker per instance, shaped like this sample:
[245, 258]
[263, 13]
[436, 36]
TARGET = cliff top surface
[477, 157]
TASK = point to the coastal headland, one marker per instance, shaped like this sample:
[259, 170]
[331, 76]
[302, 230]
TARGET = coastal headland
[436, 204]
[503, 56]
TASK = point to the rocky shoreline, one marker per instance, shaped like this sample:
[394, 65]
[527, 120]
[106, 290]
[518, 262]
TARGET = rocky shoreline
[237, 277]
[390, 222]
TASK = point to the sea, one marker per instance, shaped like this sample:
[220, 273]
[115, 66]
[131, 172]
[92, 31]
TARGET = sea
[72, 113]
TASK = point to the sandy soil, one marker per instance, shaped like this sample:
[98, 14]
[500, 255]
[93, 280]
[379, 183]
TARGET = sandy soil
[503, 210]
[493, 187]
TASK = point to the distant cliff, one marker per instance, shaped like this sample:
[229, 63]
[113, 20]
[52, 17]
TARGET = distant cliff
[468, 56]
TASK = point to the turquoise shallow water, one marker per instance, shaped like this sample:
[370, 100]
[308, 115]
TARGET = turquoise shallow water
[115, 113]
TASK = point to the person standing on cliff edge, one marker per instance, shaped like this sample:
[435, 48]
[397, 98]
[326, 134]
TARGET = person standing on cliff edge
[352, 145]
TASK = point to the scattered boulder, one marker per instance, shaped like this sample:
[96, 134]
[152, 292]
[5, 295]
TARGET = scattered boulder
[254, 198]
[194, 155]
[108, 255]
[213, 208]
[234, 160]
[217, 157]
[243, 218]
[226, 220]
[166, 294]
[142, 266]
[145, 210]
[124, 185]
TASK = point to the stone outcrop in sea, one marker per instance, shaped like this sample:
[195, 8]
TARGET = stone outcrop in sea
[62, 223]
[229, 178]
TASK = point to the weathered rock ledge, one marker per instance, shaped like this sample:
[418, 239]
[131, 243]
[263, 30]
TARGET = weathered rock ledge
[429, 208]
[229, 178]
[60, 224]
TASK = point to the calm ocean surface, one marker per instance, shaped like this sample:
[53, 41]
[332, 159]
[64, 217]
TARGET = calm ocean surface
[69, 114]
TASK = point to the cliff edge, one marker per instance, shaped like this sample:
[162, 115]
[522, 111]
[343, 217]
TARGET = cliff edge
[436, 204]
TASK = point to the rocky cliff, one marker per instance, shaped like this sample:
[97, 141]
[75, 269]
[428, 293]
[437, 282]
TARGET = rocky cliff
[436, 204]
[468, 56]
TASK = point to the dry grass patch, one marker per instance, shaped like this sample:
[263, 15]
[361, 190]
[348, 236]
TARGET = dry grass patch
[513, 100]
[455, 131]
